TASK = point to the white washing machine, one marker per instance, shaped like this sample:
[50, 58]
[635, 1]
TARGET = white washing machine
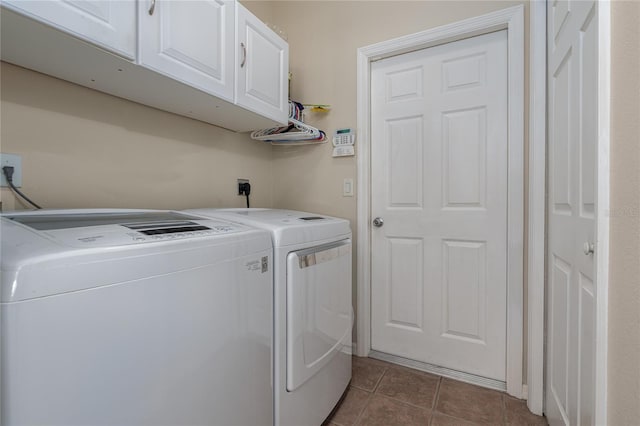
[313, 315]
[134, 318]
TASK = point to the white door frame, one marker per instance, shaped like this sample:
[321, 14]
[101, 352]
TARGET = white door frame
[602, 200]
[536, 253]
[511, 19]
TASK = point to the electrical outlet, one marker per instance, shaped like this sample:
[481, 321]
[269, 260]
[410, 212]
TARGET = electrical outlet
[14, 161]
[239, 187]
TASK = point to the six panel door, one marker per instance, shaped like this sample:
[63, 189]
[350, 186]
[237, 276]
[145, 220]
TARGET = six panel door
[439, 180]
[572, 46]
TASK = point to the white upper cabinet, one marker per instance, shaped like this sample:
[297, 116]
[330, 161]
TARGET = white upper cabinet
[106, 23]
[262, 67]
[189, 41]
[210, 60]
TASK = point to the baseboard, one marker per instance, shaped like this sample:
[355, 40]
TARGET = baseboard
[441, 371]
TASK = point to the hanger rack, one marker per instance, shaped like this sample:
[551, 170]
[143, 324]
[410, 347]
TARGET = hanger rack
[295, 133]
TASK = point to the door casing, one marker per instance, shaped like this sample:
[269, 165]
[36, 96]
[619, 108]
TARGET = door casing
[536, 248]
[511, 19]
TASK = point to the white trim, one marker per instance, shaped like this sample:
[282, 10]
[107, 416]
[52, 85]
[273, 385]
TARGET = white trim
[537, 208]
[602, 200]
[515, 204]
[511, 19]
[363, 285]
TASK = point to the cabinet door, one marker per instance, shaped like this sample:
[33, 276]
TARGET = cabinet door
[262, 67]
[108, 24]
[190, 41]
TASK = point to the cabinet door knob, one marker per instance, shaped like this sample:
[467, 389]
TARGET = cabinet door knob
[153, 7]
[244, 54]
[588, 248]
[378, 222]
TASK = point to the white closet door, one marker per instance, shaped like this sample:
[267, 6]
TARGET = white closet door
[572, 45]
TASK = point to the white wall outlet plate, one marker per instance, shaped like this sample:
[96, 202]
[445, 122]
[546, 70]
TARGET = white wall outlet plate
[343, 151]
[15, 161]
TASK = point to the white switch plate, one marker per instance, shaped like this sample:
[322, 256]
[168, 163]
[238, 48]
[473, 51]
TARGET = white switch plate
[15, 161]
[347, 188]
[343, 151]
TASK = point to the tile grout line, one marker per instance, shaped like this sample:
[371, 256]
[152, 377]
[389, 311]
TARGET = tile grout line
[504, 410]
[370, 397]
[435, 400]
[361, 388]
[375, 388]
[502, 395]
[401, 401]
[364, 407]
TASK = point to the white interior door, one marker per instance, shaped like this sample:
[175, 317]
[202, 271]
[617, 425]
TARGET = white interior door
[572, 45]
[439, 182]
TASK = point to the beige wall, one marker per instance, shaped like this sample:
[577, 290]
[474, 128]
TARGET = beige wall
[82, 148]
[624, 277]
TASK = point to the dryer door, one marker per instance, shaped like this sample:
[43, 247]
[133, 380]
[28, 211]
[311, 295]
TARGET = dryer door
[319, 311]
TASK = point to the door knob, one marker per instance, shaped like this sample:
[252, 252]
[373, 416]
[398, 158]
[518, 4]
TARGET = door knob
[378, 222]
[588, 248]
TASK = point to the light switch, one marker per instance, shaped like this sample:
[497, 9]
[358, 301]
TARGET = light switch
[347, 188]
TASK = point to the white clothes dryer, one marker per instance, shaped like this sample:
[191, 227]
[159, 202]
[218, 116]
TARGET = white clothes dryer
[134, 318]
[313, 314]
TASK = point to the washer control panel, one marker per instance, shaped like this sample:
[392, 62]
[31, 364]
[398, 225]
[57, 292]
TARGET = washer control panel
[174, 233]
[112, 235]
[124, 228]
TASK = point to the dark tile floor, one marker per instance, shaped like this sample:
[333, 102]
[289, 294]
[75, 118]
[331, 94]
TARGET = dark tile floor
[387, 394]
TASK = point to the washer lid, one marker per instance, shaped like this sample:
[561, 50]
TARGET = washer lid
[47, 221]
[53, 254]
[288, 227]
